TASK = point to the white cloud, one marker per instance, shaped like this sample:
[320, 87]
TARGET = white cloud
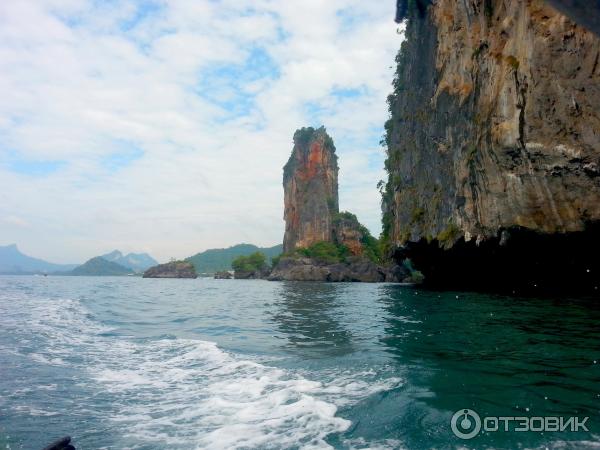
[204, 96]
[15, 221]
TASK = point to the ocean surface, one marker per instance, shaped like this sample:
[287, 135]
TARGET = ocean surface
[137, 363]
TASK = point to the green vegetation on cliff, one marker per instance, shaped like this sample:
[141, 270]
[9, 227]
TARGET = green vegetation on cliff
[351, 238]
[254, 262]
[325, 252]
[303, 136]
[370, 245]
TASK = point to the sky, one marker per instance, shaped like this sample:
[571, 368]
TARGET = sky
[163, 126]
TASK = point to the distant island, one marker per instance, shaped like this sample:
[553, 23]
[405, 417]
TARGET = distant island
[320, 242]
[173, 269]
[138, 262]
[114, 264]
[99, 266]
[218, 262]
[13, 262]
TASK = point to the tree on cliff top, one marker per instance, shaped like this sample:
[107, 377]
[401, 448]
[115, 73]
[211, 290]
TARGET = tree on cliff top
[303, 135]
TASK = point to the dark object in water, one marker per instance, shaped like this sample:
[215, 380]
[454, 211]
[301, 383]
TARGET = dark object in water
[61, 444]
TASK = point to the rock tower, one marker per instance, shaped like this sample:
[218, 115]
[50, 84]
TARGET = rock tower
[310, 183]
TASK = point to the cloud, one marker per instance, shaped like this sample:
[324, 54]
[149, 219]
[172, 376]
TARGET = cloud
[14, 221]
[164, 126]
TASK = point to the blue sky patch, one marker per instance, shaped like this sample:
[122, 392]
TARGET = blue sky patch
[224, 84]
[344, 93]
[126, 153]
[143, 10]
[35, 168]
[349, 19]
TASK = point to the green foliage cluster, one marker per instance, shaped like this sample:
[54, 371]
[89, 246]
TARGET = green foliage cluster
[254, 262]
[220, 259]
[371, 245]
[329, 142]
[417, 214]
[302, 136]
[345, 215]
[325, 252]
[275, 261]
[393, 152]
[450, 234]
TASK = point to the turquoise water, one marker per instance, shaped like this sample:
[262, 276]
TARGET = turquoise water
[181, 364]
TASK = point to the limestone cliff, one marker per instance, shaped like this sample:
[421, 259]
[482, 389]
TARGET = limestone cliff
[494, 135]
[310, 183]
[320, 243]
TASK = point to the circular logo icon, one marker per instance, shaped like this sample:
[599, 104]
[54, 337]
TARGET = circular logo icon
[465, 424]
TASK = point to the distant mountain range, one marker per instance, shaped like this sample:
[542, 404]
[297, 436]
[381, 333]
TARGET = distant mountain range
[12, 261]
[219, 259]
[99, 266]
[138, 262]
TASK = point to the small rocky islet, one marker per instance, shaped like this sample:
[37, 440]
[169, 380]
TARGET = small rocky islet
[320, 242]
[173, 269]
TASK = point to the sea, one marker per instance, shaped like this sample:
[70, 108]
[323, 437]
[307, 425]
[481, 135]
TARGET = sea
[132, 363]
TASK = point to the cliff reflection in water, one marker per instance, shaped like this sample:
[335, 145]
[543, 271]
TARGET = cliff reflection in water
[307, 314]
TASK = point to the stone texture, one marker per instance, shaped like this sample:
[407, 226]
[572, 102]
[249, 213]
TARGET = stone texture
[251, 274]
[495, 126]
[173, 269]
[224, 275]
[355, 269]
[347, 231]
[310, 182]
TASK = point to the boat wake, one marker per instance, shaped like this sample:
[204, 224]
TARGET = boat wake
[185, 393]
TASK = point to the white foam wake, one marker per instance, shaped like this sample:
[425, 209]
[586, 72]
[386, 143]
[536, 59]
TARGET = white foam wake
[181, 393]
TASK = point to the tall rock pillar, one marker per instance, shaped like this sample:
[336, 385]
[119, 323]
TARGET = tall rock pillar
[310, 184]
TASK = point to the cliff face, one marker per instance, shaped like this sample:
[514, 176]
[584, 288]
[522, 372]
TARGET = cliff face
[494, 130]
[320, 243]
[347, 231]
[310, 183]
